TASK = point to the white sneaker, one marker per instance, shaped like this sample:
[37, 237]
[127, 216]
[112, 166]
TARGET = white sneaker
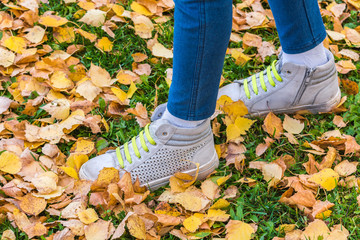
[159, 151]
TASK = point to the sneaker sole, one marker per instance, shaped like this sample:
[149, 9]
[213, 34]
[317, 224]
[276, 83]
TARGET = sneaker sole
[314, 109]
[204, 171]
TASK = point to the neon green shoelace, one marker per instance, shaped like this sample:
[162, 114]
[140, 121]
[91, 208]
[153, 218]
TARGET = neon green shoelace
[135, 147]
[269, 70]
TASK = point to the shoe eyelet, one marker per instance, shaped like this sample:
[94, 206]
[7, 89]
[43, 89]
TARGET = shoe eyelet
[288, 72]
[160, 114]
[164, 133]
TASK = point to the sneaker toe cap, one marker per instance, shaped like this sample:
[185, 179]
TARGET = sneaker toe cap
[91, 169]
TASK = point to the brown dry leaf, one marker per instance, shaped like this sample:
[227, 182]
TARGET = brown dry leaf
[238, 230]
[139, 57]
[315, 230]
[350, 87]
[98, 230]
[311, 166]
[141, 114]
[32, 205]
[266, 49]
[143, 26]
[8, 235]
[345, 66]
[58, 109]
[329, 159]
[210, 189]
[292, 125]
[106, 176]
[339, 121]
[273, 125]
[350, 54]
[251, 40]
[351, 146]
[320, 208]
[346, 168]
[335, 36]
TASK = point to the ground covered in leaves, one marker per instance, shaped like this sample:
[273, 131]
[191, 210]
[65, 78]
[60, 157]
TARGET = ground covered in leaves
[81, 77]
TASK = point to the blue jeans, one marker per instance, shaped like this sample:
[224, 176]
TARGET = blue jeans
[201, 35]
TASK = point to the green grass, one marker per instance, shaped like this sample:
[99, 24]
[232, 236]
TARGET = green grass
[253, 204]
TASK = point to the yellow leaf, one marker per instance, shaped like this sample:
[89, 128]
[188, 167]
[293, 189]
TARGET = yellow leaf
[66, 34]
[136, 227]
[77, 160]
[238, 230]
[104, 44]
[326, 178]
[16, 44]
[221, 203]
[235, 109]
[88, 216]
[192, 223]
[90, 36]
[70, 171]
[118, 9]
[10, 163]
[106, 176]
[222, 180]
[217, 215]
[286, 227]
[238, 128]
[132, 90]
[59, 81]
[323, 215]
[120, 94]
[83, 146]
[136, 7]
[52, 21]
[240, 58]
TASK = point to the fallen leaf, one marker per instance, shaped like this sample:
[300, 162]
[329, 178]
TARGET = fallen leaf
[52, 21]
[136, 227]
[273, 125]
[88, 216]
[104, 44]
[346, 168]
[159, 50]
[326, 178]
[238, 230]
[32, 205]
[315, 230]
[10, 162]
[94, 17]
[292, 125]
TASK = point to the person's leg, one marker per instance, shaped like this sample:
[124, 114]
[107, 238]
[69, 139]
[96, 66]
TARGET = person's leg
[180, 136]
[301, 31]
[201, 36]
[305, 76]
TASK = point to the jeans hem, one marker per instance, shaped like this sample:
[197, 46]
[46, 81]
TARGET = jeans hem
[306, 47]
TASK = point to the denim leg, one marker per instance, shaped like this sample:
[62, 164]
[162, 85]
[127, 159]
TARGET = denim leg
[298, 23]
[201, 35]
